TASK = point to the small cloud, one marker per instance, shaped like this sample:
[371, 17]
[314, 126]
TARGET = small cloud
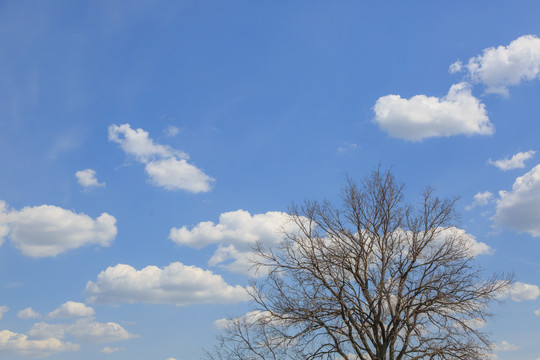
[347, 147]
[171, 131]
[480, 199]
[87, 178]
[476, 323]
[110, 350]
[3, 309]
[71, 309]
[504, 346]
[28, 313]
[455, 67]
[515, 162]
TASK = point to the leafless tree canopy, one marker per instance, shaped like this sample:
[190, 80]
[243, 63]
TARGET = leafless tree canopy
[374, 279]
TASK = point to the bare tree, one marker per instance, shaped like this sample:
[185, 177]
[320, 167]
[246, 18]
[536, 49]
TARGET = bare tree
[375, 279]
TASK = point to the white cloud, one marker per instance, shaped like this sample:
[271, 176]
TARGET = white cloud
[420, 117]
[480, 199]
[476, 248]
[519, 209]
[455, 67]
[537, 312]
[237, 232]
[47, 230]
[85, 330]
[171, 358]
[521, 292]
[505, 346]
[3, 309]
[138, 143]
[15, 344]
[28, 313]
[87, 178]
[515, 162]
[165, 166]
[476, 323]
[250, 318]
[498, 68]
[176, 283]
[110, 350]
[71, 309]
[346, 147]
[174, 174]
[171, 130]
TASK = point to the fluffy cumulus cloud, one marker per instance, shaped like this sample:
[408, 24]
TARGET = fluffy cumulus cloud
[503, 66]
[47, 230]
[176, 283]
[236, 233]
[517, 161]
[519, 209]
[87, 178]
[15, 344]
[3, 309]
[71, 309]
[28, 313]
[421, 116]
[165, 166]
[86, 330]
[521, 292]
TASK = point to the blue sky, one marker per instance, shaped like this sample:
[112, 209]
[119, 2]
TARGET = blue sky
[145, 146]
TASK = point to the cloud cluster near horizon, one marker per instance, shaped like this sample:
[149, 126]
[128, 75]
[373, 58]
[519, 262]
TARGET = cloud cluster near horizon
[45, 339]
[165, 166]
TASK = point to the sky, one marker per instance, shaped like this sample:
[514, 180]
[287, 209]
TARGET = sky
[146, 146]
